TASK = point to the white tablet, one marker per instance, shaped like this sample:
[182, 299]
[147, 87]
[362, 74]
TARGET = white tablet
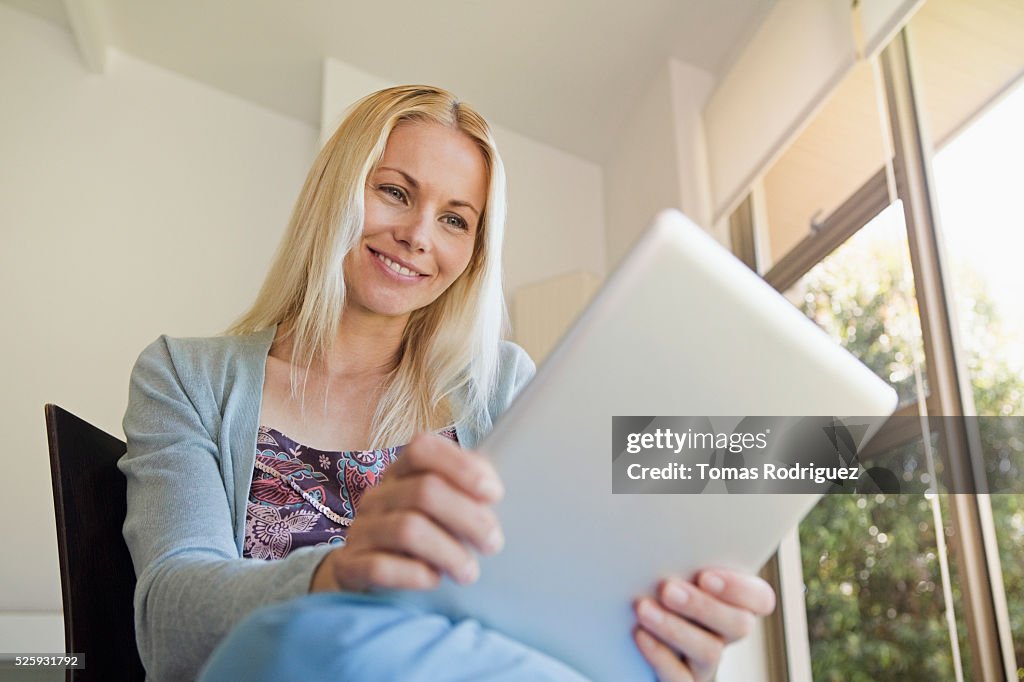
[681, 328]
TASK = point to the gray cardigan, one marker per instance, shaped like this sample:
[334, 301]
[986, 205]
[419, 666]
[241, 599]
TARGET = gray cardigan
[191, 422]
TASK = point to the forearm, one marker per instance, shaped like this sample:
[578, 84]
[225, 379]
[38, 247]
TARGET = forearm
[185, 604]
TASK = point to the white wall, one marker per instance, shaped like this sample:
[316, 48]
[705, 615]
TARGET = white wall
[556, 221]
[659, 160]
[691, 88]
[132, 203]
[642, 173]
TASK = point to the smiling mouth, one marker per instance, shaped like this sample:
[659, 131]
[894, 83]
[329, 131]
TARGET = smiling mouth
[395, 267]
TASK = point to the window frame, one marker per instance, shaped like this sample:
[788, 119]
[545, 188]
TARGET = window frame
[973, 540]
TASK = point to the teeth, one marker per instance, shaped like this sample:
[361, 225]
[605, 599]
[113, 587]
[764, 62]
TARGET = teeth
[396, 267]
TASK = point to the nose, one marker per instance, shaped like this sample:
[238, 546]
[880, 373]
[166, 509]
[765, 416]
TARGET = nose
[414, 231]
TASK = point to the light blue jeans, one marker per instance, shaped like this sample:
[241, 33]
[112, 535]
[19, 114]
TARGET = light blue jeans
[353, 637]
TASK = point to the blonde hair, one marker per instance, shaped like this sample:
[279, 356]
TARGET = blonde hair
[448, 356]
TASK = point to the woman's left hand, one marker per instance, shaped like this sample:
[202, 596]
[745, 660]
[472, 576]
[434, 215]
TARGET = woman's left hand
[683, 628]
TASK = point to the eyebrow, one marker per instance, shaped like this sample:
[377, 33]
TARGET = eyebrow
[415, 185]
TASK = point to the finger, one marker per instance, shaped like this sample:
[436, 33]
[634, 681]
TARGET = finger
[413, 534]
[465, 469]
[362, 571]
[664, 661]
[738, 589]
[463, 516]
[684, 599]
[702, 649]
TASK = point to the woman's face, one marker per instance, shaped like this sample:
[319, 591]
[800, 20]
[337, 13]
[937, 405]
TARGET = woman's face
[423, 206]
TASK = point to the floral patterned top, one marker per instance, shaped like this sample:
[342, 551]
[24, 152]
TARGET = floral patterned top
[301, 496]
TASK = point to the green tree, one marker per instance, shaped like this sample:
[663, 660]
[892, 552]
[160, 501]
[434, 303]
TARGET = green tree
[875, 603]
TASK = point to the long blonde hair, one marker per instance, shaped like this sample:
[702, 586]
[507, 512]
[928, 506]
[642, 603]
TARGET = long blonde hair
[448, 356]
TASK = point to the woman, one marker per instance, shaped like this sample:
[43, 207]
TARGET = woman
[379, 324]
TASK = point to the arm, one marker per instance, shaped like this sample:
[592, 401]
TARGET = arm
[192, 584]
[515, 369]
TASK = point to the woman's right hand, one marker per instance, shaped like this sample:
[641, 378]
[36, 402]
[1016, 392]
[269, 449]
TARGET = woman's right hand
[431, 508]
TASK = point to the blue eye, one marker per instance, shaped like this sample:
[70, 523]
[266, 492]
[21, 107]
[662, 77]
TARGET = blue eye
[456, 221]
[396, 193]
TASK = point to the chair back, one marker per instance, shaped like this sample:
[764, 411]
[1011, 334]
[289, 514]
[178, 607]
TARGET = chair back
[96, 573]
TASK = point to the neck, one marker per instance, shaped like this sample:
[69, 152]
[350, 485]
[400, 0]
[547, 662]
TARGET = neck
[366, 345]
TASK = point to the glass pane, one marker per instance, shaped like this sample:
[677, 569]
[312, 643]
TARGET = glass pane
[875, 600]
[863, 296]
[876, 576]
[978, 180]
[978, 177]
[968, 59]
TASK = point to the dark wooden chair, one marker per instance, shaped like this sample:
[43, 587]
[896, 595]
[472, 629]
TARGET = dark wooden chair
[96, 573]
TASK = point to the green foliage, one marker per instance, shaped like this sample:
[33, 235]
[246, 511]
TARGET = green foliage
[875, 604]
[1008, 510]
[874, 593]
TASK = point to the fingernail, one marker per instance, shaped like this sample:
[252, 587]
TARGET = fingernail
[495, 541]
[676, 595]
[488, 487]
[468, 573]
[712, 582]
[651, 613]
[644, 639]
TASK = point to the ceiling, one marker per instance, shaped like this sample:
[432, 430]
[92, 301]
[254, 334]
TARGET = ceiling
[565, 72]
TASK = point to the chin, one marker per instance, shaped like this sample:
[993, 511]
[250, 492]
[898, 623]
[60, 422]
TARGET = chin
[385, 307]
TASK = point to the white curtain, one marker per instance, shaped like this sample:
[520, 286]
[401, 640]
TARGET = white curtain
[798, 56]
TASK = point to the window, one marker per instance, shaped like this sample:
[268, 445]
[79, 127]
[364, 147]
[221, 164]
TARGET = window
[907, 249]
[876, 567]
[979, 173]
